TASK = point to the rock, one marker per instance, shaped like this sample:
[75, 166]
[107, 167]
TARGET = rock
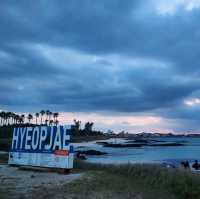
[101, 143]
[167, 144]
[92, 152]
[137, 141]
[123, 145]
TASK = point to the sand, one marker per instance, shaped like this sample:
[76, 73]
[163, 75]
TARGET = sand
[17, 183]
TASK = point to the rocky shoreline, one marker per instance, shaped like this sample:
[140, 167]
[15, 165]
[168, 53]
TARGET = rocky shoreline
[140, 143]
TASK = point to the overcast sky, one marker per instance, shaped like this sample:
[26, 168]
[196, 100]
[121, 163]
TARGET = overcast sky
[127, 65]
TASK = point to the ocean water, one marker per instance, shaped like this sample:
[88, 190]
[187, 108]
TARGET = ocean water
[146, 154]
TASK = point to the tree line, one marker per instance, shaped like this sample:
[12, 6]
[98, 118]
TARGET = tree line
[87, 129]
[47, 118]
[41, 118]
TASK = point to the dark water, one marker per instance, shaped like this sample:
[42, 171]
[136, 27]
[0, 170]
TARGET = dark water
[147, 154]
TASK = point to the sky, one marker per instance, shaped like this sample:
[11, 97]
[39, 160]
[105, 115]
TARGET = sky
[129, 65]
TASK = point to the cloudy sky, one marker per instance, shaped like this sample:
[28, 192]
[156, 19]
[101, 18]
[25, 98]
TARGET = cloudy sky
[129, 65]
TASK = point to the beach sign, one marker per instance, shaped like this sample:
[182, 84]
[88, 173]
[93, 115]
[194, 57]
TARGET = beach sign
[43, 146]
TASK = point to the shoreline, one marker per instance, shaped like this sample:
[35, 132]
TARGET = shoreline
[174, 164]
[88, 181]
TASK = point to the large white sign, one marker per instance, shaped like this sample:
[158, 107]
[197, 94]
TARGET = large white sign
[42, 146]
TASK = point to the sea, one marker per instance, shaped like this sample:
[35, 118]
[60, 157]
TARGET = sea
[146, 154]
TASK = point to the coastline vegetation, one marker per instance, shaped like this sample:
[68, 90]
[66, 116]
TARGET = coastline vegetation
[127, 182]
[139, 181]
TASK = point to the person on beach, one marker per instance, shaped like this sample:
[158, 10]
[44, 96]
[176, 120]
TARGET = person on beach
[185, 164]
[80, 156]
[196, 165]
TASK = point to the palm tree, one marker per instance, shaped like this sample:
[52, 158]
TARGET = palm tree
[46, 122]
[50, 122]
[14, 121]
[12, 116]
[29, 117]
[56, 122]
[17, 119]
[47, 114]
[7, 117]
[3, 117]
[42, 112]
[50, 114]
[36, 117]
[55, 116]
[22, 118]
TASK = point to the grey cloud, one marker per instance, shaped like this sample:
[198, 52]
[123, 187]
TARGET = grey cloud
[98, 28]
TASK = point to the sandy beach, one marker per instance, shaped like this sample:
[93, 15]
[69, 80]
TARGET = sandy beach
[20, 183]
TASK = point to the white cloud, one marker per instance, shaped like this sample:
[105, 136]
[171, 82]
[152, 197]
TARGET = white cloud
[165, 7]
[192, 102]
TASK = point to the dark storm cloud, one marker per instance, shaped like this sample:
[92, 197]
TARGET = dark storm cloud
[142, 61]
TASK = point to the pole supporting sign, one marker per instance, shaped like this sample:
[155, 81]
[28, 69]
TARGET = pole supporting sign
[42, 146]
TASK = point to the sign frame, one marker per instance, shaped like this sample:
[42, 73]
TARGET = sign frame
[42, 146]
